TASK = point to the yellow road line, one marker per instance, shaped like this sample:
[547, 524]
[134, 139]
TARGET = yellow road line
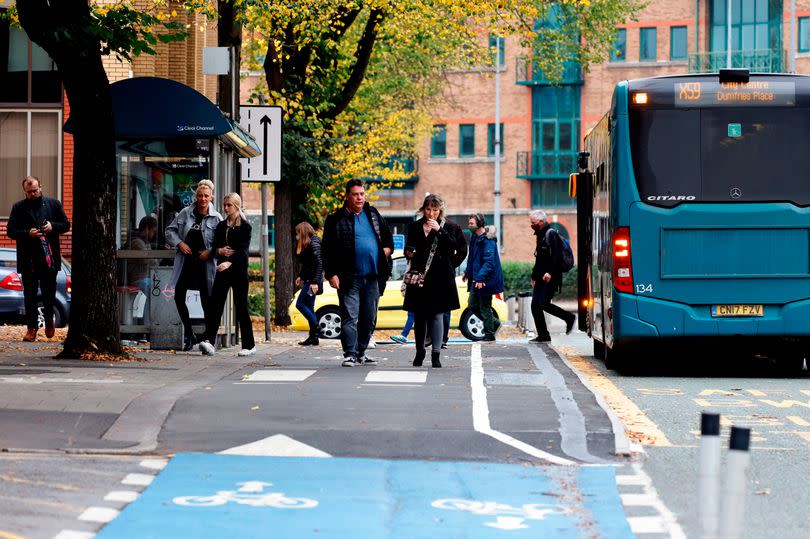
[58, 486]
[638, 426]
[67, 507]
[9, 535]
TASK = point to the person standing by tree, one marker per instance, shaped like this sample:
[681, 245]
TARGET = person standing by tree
[36, 223]
[357, 244]
[431, 244]
[192, 233]
[483, 274]
[310, 277]
[547, 276]
[231, 244]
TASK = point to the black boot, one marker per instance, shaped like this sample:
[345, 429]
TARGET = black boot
[434, 360]
[188, 342]
[312, 340]
[420, 357]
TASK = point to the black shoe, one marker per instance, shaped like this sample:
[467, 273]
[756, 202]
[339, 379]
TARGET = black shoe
[444, 346]
[349, 361]
[434, 360]
[419, 358]
[570, 324]
[545, 338]
[188, 343]
[365, 360]
[312, 340]
[489, 338]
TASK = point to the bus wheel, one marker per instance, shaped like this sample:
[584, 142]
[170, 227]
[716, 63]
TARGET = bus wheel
[790, 365]
[598, 349]
[618, 357]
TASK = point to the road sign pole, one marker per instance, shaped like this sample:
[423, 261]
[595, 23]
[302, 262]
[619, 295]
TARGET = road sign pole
[265, 265]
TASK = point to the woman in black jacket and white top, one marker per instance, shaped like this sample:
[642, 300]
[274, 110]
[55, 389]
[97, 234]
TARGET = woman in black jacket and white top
[310, 278]
[231, 244]
[439, 293]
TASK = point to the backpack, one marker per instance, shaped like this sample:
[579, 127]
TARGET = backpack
[567, 252]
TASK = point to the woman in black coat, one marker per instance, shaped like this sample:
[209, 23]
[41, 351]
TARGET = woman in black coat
[438, 294]
[310, 278]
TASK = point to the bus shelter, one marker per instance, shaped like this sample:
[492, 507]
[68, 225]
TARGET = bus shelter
[168, 138]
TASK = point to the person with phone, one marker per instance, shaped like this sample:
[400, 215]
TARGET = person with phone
[431, 245]
[36, 222]
[310, 278]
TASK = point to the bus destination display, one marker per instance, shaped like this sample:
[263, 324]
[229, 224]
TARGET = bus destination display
[756, 93]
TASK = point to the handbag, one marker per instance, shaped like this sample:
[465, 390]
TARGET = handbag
[417, 278]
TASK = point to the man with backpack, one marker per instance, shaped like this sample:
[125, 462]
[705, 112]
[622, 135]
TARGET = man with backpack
[553, 257]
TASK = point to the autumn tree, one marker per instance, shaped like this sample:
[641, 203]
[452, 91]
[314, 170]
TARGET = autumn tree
[355, 80]
[76, 34]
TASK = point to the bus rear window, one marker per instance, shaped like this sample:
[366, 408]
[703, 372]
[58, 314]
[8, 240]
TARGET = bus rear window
[721, 155]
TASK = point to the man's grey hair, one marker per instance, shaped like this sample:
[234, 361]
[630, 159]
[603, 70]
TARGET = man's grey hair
[538, 215]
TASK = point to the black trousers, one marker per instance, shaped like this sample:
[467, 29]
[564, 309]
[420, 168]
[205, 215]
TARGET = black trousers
[180, 302]
[32, 282]
[541, 301]
[239, 283]
[428, 324]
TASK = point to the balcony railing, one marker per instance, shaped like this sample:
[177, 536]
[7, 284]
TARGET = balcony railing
[547, 165]
[757, 60]
[528, 75]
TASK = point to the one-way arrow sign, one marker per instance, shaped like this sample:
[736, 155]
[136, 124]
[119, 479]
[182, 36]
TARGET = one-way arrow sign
[264, 123]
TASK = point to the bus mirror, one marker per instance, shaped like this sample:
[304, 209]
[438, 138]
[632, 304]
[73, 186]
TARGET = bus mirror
[582, 162]
[572, 185]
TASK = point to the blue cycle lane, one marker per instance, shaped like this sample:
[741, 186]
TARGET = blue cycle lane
[212, 496]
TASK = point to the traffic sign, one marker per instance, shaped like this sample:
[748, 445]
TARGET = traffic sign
[399, 242]
[264, 124]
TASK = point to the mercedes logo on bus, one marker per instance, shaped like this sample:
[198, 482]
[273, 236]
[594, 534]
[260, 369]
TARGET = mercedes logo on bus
[736, 192]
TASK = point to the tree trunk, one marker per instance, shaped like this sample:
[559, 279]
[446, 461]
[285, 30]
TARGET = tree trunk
[94, 302]
[285, 270]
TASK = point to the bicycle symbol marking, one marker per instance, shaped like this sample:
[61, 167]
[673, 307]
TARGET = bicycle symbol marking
[506, 516]
[249, 493]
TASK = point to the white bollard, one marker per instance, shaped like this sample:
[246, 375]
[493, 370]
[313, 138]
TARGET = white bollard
[732, 513]
[709, 475]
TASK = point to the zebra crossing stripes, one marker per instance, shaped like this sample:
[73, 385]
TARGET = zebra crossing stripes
[374, 377]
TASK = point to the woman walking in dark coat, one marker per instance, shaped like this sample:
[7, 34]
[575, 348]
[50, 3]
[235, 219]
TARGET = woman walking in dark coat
[431, 234]
[231, 244]
[310, 278]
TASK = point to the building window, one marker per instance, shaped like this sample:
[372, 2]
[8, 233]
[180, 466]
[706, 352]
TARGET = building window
[438, 143]
[29, 146]
[491, 139]
[804, 34]
[754, 24]
[619, 51]
[466, 136]
[647, 50]
[495, 41]
[25, 61]
[677, 43]
[555, 132]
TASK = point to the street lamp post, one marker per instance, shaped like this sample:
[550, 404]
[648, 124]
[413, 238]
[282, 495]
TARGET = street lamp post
[497, 209]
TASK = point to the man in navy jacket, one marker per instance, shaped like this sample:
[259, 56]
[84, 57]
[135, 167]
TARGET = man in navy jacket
[36, 223]
[483, 274]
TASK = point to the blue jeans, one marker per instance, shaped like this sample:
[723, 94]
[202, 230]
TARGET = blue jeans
[306, 306]
[408, 324]
[358, 315]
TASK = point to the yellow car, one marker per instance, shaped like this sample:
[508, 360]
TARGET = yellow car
[390, 314]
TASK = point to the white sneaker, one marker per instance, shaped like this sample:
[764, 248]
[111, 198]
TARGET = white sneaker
[207, 348]
[371, 344]
[246, 352]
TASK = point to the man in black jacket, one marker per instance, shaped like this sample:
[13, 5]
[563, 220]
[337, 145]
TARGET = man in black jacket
[357, 244]
[547, 276]
[36, 223]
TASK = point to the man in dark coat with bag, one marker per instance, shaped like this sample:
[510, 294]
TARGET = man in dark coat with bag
[36, 223]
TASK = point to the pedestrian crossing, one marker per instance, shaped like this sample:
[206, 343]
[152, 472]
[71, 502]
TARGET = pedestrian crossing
[372, 377]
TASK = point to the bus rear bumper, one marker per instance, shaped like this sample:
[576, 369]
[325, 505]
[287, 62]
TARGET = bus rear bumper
[637, 317]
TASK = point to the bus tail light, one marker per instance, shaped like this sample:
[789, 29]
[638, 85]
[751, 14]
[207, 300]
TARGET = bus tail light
[622, 260]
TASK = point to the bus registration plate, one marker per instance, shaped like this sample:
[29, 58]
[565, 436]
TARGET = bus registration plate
[737, 310]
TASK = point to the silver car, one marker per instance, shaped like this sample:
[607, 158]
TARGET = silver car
[12, 304]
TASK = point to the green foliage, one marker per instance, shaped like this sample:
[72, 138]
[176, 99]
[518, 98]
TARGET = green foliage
[517, 278]
[255, 269]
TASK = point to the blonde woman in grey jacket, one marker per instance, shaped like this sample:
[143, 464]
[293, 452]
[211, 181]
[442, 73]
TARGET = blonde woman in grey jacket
[192, 234]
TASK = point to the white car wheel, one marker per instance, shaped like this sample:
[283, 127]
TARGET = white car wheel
[329, 322]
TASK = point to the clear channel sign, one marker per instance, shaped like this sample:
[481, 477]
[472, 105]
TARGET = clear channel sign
[264, 124]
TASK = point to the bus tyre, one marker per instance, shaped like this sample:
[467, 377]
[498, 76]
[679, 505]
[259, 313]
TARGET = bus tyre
[598, 349]
[790, 365]
[617, 358]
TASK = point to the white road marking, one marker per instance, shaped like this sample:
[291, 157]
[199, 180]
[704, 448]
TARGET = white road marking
[666, 522]
[36, 381]
[407, 377]
[99, 514]
[138, 479]
[647, 525]
[481, 413]
[277, 445]
[153, 464]
[279, 376]
[630, 480]
[637, 499]
[126, 496]
[73, 534]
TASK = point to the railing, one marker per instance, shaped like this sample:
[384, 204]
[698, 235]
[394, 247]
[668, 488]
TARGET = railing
[526, 74]
[545, 165]
[757, 60]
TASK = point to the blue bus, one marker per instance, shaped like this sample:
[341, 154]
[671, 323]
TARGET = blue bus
[694, 217]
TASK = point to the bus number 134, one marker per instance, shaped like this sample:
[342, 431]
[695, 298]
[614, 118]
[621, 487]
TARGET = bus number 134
[644, 289]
